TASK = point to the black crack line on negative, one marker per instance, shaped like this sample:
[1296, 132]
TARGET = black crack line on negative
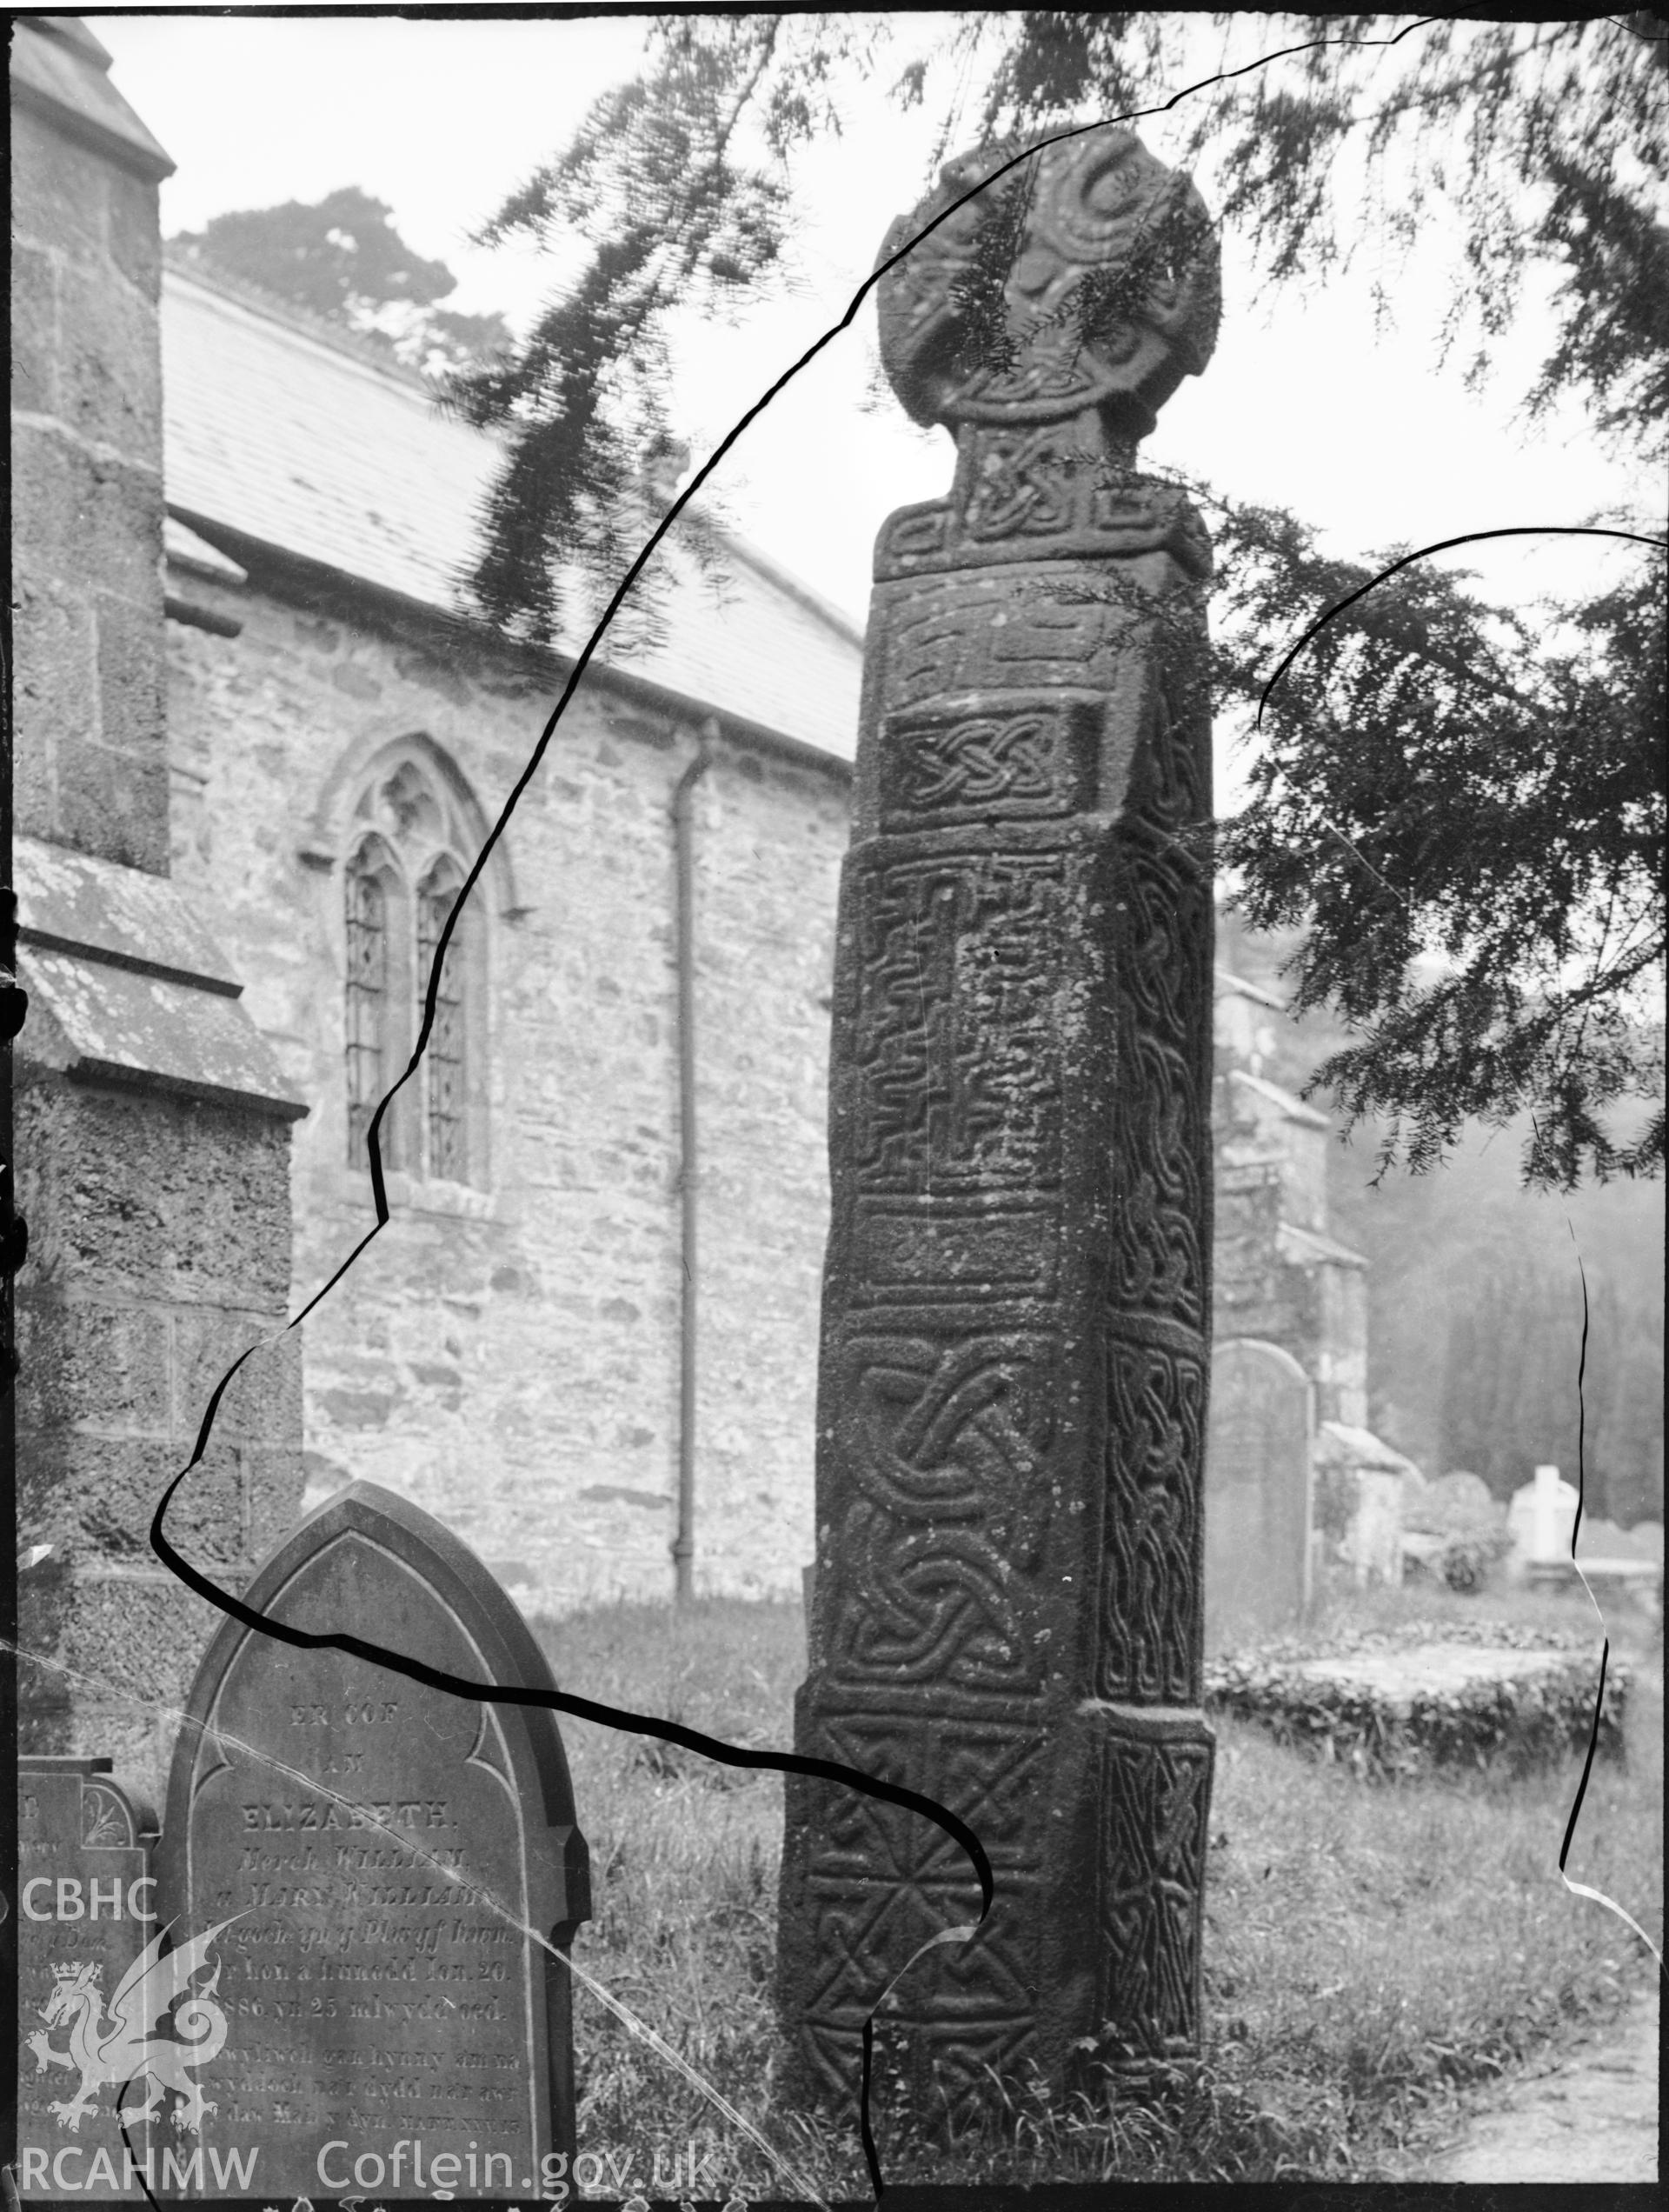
[140, 2173]
[1443, 545]
[585, 1709]
[1582, 1889]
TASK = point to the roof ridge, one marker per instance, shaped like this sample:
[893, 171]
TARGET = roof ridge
[785, 580]
[1297, 1109]
[246, 293]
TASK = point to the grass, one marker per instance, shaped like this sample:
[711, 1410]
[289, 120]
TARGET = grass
[1372, 1954]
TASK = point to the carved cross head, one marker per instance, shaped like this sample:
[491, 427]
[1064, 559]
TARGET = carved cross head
[1085, 281]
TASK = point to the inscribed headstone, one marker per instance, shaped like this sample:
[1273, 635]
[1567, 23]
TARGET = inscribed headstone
[380, 1859]
[1257, 1490]
[86, 1912]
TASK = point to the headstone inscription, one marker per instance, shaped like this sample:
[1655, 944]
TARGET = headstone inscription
[1014, 1366]
[378, 1860]
[86, 1912]
[1258, 1475]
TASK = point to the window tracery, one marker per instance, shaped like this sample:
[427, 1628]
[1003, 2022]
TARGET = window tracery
[403, 878]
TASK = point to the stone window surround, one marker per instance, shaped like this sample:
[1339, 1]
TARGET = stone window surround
[443, 821]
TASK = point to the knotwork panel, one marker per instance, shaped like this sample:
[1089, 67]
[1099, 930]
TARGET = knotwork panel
[881, 1882]
[956, 1047]
[1160, 1204]
[1015, 759]
[1150, 1569]
[1156, 1795]
[974, 637]
[943, 1452]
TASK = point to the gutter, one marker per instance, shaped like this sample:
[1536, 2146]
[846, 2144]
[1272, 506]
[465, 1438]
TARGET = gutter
[316, 588]
[683, 830]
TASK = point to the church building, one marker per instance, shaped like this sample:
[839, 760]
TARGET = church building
[259, 752]
[261, 749]
[587, 1339]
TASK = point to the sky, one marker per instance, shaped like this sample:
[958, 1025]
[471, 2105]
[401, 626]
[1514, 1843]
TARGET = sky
[441, 118]
[1305, 405]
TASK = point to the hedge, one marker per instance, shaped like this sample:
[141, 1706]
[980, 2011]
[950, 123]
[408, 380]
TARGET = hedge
[1509, 1725]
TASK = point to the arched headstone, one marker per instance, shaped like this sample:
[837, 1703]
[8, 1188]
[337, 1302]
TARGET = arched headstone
[376, 1860]
[86, 1912]
[1258, 1478]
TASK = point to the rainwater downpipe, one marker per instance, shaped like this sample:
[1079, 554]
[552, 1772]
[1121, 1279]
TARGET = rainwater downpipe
[683, 830]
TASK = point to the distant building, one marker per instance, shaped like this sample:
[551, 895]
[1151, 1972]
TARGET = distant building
[1281, 1279]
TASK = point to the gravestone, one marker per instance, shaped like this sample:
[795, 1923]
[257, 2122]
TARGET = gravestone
[378, 1859]
[1461, 1500]
[1014, 1365]
[1258, 1498]
[1541, 1522]
[86, 1908]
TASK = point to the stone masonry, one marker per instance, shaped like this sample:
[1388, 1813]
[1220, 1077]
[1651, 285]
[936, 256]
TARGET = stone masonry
[151, 1124]
[1016, 1308]
[507, 1353]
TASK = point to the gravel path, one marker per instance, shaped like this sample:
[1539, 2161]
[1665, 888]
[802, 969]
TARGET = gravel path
[1588, 2114]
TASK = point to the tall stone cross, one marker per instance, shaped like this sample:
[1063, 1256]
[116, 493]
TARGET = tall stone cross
[1016, 1301]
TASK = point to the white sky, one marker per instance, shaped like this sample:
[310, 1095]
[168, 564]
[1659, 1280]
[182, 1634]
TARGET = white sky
[1303, 405]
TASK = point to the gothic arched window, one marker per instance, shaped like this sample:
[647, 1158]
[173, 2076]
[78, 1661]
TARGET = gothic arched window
[412, 830]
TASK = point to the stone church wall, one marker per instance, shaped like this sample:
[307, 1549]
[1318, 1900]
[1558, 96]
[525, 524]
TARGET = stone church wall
[86, 393]
[151, 1127]
[507, 1353]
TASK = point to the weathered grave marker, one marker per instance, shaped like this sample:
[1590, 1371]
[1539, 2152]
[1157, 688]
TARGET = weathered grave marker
[1258, 1481]
[1015, 1305]
[381, 1855]
[86, 1911]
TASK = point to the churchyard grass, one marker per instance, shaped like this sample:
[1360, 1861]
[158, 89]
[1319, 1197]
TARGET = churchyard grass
[1374, 1952]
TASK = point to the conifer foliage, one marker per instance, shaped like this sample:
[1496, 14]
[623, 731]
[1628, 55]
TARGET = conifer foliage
[1462, 806]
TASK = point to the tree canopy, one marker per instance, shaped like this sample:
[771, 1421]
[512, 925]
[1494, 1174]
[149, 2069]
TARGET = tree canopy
[1465, 811]
[342, 259]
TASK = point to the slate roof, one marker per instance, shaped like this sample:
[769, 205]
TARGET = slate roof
[1338, 1445]
[1226, 985]
[1302, 1244]
[299, 439]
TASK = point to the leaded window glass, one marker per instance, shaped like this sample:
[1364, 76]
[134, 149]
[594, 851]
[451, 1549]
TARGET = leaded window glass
[412, 828]
[367, 1002]
[444, 1067]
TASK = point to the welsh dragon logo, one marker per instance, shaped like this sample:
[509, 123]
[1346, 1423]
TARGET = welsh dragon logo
[118, 2046]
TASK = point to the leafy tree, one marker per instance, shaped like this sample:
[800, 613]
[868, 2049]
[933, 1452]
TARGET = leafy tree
[1468, 814]
[1477, 859]
[342, 259]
